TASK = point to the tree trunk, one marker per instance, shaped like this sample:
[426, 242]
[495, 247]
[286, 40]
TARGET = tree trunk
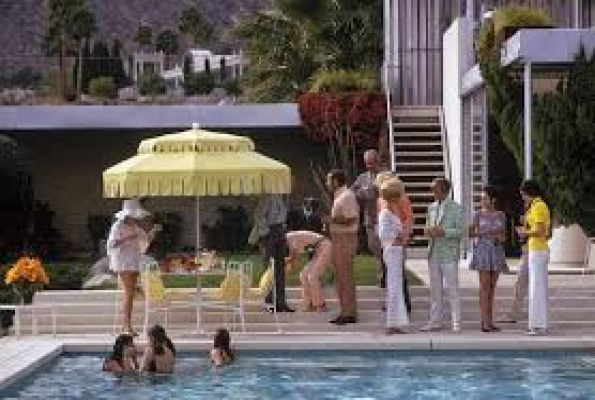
[62, 60]
[79, 73]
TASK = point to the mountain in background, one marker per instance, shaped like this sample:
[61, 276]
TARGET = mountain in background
[23, 24]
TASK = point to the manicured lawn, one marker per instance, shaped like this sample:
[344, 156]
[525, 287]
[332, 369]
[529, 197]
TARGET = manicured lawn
[365, 274]
[69, 275]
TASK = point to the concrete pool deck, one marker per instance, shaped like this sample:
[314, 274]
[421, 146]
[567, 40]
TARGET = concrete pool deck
[573, 328]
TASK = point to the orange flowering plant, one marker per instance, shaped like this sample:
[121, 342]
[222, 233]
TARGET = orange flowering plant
[26, 277]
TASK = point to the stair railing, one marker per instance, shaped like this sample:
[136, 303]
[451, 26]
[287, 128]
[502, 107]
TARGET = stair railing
[445, 148]
[388, 83]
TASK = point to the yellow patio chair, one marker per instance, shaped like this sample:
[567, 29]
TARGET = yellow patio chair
[155, 293]
[236, 291]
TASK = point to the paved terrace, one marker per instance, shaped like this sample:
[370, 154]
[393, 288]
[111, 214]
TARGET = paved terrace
[571, 313]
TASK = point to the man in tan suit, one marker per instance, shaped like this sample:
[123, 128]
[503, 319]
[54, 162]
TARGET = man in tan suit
[343, 226]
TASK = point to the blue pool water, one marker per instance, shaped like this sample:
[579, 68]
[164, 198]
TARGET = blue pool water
[328, 375]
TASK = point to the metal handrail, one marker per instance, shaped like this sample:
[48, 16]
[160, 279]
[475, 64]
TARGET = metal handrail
[389, 114]
[445, 149]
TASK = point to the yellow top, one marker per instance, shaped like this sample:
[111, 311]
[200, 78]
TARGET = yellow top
[538, 213]
[196, 163]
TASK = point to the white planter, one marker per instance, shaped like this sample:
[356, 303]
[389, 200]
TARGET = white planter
[568, 246]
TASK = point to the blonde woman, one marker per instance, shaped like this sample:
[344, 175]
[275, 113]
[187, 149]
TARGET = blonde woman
[390, 232]
[299, 242]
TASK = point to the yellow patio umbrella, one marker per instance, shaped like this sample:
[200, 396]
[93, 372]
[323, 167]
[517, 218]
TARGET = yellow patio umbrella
[196, 163]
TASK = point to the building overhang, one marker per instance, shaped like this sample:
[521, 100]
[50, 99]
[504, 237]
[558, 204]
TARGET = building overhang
[544, 49]
[78, 117]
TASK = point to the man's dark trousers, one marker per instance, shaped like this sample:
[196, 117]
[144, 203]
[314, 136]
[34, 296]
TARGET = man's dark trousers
[276, 247]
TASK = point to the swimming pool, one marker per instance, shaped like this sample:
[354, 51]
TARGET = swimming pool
[328, 375]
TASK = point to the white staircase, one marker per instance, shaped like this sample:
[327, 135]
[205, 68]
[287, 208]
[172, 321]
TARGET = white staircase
[479, 160]
[418, 158]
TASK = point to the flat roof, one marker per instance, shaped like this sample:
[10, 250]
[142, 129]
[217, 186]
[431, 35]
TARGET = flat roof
[545, 48]
[77, 117]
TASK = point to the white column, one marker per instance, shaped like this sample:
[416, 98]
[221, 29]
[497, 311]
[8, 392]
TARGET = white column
[527, 93]
[577, 13]
[470, 10]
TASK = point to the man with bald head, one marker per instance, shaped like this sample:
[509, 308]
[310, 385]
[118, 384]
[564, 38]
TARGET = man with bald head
[366, 191]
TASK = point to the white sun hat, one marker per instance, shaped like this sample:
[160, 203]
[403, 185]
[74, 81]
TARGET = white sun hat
[132, 208]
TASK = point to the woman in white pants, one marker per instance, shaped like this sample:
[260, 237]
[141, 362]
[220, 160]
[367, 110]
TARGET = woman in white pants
[390, 232]
[536, 230]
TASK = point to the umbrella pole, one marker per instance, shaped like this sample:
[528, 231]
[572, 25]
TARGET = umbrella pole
[197, 251]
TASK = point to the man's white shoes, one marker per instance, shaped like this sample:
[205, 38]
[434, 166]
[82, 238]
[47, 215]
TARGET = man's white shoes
[431, 328]
[456, 328]
[536, 332]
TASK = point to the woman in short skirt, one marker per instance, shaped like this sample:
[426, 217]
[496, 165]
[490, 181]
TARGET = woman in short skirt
[489, 259]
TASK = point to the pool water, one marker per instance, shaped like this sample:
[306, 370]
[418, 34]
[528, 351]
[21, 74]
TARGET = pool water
[327, 375]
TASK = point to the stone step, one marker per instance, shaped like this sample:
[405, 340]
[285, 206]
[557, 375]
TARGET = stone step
[584, 293]
[184, 329]
[556, 314]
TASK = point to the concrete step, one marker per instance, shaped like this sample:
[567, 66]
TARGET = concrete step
[417, 145]
[418, 154]
[83, 298]
[177, 329]
[468, 300]
[430, 125]
[406, 133]
[415, 112]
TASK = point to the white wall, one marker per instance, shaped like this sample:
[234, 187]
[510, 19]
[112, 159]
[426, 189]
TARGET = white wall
[457, 59]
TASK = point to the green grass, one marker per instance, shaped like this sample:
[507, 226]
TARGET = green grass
[366, 271]
[69, 275]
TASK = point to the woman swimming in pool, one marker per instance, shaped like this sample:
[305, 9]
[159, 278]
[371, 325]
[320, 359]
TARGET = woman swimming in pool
[160, 353]
[222, 354]
[123, 356]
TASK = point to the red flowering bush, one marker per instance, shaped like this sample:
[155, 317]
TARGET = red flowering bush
[348, 123]
[358, 118]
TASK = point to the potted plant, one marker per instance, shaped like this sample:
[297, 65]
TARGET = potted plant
[26, 277]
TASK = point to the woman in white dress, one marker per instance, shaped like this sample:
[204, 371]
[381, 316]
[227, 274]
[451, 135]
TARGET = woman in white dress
[126, 244]
[390, 232]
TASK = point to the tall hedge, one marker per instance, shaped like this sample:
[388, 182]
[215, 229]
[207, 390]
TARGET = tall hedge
[565, 141]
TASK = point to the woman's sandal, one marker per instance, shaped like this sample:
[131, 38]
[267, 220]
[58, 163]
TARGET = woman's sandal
[394, 331]
[321, 308]
[130, 332]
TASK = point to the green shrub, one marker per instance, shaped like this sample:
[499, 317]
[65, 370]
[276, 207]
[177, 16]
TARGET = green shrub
[565, 144]
[65, 276]
[340, 81]
[494, 32]
[26, 78]
[232, 87]
[103, 87]
[151, 84]
[199, 83]
[504, 90]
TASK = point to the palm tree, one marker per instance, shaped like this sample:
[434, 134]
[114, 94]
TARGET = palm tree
[288, 46]
[68, 22]
[83, 28]
[144, 36]
[167, 42]
[194, 24]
